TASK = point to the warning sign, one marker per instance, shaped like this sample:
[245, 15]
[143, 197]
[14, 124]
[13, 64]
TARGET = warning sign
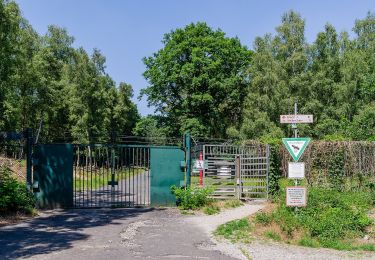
[296, 196]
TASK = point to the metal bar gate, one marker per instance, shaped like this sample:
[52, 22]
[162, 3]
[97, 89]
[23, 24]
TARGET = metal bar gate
[235, 171]
[111, 176]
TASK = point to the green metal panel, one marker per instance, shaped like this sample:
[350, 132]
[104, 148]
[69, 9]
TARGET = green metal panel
[53, 175]
[165, 171]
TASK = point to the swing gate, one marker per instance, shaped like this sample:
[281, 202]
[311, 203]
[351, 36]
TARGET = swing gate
[113, 175]
[239, 172]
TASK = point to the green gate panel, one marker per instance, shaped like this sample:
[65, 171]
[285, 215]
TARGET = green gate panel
[165, 171]
[53, 175]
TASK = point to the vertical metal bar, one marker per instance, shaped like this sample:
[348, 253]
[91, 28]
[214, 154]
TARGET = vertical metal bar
[29, 147]
[133, 174]
[83, 176]
[90, 155]
[238, 176]
[188, 158]
[268, 168]
[74, 176]
[204, 168]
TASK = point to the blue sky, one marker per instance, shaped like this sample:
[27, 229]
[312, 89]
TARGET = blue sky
[126, 31]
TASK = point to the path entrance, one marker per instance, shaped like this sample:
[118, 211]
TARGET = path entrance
[106, 175]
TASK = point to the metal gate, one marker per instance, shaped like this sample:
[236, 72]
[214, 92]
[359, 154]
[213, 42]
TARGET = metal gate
[234, 171]
[111, 176]
[106, 175]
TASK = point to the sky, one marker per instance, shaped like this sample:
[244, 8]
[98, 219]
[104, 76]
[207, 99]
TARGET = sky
[126, 31]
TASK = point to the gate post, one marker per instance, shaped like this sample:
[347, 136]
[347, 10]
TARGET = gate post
[29, 147]
[187, 144]
[238, 176]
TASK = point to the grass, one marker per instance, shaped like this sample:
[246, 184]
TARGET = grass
[235, 231]
[216, 206]
[332, 219]
[96, 180]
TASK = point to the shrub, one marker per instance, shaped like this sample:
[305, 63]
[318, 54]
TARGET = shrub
[14, 196]
[211, 209]
[232, 204]
[331, 218]
[235, 230]
[192, 198]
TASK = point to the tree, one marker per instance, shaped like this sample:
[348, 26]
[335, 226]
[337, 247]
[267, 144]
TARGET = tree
[197, 80]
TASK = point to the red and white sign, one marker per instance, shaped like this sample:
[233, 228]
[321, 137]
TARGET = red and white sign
[296, 196]
[296, 119]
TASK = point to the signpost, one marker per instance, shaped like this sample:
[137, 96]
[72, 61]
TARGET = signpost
[296, 196]
[296, 146]
[296, 119]
[296, 170]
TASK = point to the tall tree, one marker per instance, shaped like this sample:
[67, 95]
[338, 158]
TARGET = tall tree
[197, 80]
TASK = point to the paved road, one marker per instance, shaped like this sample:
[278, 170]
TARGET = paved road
[107, 234]
[130, 192]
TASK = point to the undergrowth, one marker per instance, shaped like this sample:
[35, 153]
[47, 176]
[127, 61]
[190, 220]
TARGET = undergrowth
[332, 219]
[14, 196]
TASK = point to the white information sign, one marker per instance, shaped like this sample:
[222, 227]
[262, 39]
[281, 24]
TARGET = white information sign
[199, 164]
[296, 170]
[296, 119]
[296, 196]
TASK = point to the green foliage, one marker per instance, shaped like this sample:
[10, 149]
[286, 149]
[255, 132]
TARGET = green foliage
[192, 198]
[263, 218]
[331, 218]
[211, 209]
[272, 235]
[235, 230]
[14, 196]
[150, 126]
[44, 78]
[197, 80]
[274, 170]
[232, 204]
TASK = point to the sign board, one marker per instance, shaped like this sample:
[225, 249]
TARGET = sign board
[296, 119]
[296, 146]
[199, 165]
[296, 196]
[296, 170]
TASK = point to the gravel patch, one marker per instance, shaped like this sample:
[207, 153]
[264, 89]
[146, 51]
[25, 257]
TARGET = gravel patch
[264, 249]
[268, 250]
[208, 224]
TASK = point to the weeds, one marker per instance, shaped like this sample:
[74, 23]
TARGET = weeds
[192, 198]
[235, 231]
[14, 196]
[331, 219]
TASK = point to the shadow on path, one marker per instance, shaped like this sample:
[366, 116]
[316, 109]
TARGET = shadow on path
[57, 231]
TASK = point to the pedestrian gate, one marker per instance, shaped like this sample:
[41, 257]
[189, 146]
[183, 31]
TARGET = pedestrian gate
[87, 176]
[234, 171]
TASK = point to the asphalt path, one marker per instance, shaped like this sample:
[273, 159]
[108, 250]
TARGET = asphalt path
[130, 192]
[137, 233]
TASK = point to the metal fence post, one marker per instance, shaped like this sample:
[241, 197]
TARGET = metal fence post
[29, 148]
[187, 143]
[268, 154]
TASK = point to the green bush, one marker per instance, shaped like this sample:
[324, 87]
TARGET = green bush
[192, 198]
[235, 230]
[330, 219]
[14, 196]
[211, 209]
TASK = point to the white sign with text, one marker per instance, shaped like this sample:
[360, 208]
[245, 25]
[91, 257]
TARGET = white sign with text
[296, 170]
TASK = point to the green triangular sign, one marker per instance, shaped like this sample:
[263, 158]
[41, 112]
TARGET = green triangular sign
[296, 146]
